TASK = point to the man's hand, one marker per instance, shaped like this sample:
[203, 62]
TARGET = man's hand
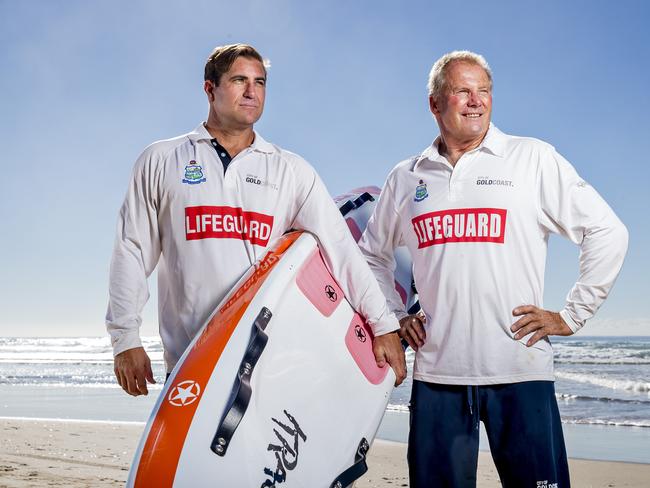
[411, 330]
[542, 322]
[388, 349]
[132, 370]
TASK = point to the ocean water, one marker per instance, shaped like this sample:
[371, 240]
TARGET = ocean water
[599, 380]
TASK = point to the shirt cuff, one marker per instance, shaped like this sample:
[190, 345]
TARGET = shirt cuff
[122, 340]
[573, 325]
[400, 314]
[388, 323]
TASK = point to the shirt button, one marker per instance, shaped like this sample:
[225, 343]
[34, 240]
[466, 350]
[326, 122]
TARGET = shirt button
[223, 155]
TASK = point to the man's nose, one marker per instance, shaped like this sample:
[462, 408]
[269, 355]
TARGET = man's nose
[249, 92]
[474, 99]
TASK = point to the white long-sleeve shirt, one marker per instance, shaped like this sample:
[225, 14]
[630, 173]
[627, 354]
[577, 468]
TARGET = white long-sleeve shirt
[204, 227]
[478, 234]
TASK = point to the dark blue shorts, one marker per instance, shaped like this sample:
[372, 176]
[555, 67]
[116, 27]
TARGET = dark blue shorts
[523, 426]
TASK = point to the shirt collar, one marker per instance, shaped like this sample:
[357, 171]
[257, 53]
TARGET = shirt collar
[200, 133]
[493, 142]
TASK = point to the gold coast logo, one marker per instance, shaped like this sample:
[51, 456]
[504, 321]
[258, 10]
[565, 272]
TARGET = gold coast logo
[184, 393]
[193, 173]
[488, 181]
[421, 192]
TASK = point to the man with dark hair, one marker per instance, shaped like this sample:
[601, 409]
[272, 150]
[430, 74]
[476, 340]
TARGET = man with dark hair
[204, 206]
[222, 58]
[475, 210]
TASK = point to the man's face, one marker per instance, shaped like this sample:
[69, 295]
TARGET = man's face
[463, 111]
[238, 101]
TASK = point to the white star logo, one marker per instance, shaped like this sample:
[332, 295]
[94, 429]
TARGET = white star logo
[184, 393]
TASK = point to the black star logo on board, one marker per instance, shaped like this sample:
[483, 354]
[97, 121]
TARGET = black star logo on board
[360, 333]
[331, 293]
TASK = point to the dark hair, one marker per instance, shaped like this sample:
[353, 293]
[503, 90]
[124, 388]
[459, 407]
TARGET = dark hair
[222, 58]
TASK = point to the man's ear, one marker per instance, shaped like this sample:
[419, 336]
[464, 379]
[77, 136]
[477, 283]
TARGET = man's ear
[433, 106]
[208, 86]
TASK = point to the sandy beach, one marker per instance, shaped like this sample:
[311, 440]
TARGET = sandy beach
[40, 453]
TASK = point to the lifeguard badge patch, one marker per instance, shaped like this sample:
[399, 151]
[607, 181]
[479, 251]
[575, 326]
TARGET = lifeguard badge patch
[421, 192]
[193, 173]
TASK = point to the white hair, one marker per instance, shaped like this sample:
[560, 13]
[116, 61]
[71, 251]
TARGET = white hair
[438, 74]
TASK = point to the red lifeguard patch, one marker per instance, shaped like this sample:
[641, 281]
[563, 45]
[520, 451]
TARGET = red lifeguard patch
[460, 225]
[220, 222]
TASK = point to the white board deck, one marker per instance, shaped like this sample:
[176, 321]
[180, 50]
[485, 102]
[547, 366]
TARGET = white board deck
[316, 389]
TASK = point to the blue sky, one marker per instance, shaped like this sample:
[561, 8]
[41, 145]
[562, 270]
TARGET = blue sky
[85, 86]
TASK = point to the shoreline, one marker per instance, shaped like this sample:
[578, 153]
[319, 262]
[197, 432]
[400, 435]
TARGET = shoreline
[583, 441]
[79, 453]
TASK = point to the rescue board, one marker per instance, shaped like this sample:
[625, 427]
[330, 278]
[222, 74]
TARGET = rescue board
[280, 388]
[357, 207]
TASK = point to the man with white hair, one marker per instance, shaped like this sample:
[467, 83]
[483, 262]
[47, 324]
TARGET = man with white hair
[475, 210]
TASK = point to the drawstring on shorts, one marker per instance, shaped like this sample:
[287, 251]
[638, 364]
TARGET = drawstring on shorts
[471, 392]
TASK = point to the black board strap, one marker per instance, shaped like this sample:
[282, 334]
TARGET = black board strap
[346, 207]
[241, 391]
[351, 205]
[354, 472]
[363, 198]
